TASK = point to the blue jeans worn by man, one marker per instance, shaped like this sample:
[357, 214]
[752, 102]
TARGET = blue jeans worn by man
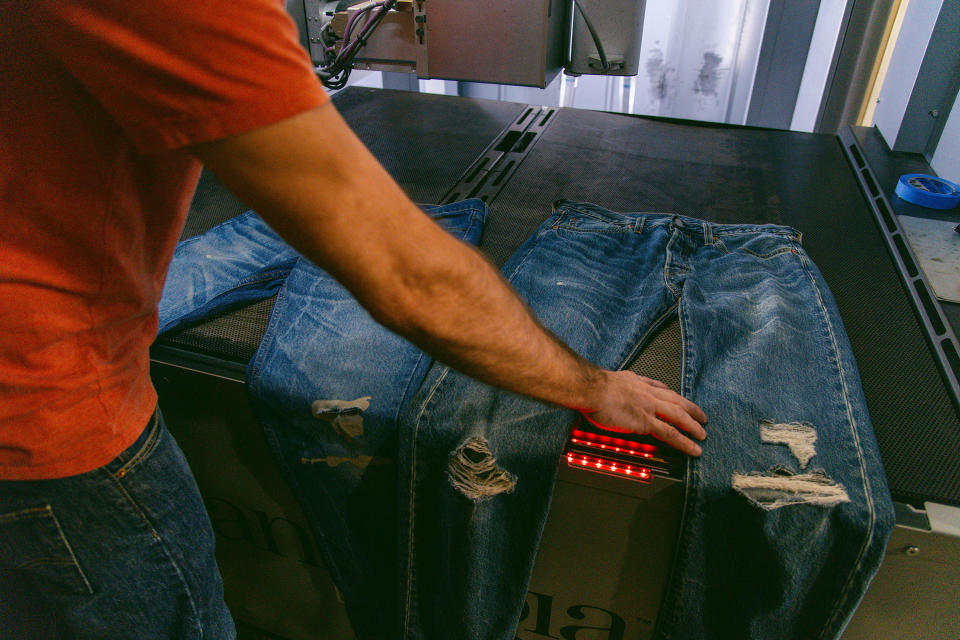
[327, 384]
[787, 512]
[123, 551]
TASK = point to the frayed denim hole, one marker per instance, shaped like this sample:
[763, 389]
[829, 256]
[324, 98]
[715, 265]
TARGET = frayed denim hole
[473, 471]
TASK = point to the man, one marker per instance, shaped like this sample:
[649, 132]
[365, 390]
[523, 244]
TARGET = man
[108, 108]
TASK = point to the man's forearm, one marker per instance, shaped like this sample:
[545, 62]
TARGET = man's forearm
[412, 276]
[319, 187]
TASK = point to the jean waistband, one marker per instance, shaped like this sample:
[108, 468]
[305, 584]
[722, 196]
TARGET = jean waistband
[638, 222]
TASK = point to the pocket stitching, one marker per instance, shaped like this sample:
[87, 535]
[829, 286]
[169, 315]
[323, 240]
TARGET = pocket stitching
[39, 513]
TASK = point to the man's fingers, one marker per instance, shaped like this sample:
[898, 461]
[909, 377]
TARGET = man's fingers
[668, 395]
[680, 419]
[666, 433]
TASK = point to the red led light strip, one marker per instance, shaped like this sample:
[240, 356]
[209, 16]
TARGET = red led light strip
[589, 463]
[608, 443]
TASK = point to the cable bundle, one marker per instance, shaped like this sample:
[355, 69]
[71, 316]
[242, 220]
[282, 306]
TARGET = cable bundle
[336, 65]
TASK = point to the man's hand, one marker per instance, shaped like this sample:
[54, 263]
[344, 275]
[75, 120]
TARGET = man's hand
[629, 403]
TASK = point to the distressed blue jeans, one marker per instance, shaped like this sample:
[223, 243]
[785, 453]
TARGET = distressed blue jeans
[787, 512]
[327, 385]
[123, 551]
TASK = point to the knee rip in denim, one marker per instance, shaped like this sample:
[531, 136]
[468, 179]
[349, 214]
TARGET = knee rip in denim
[473, 471]
[345, 416]
[782, 488]
[799, 436]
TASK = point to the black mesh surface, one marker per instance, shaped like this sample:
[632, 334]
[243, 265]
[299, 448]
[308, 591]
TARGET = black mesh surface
[731, 175]
[660, 357]
[423, 141]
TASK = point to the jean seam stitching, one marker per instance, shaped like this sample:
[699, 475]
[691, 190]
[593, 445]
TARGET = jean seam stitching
[30, 512]
[666, 266]
[868, 494]
[69, 548]
[257, 364]
[614, 228]
[533, 245]
[180, 577]
[639, 344]
[412, 499]
[676, 586]
[47, 511]
[152, 439]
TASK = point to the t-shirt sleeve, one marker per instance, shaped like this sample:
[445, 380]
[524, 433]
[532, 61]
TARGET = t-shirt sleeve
[178, 72]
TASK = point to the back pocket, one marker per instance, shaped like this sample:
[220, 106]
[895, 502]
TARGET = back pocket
[32, 543]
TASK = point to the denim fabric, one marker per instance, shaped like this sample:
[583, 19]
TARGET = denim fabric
[123, 551]
[236, 263]
[327, 384]
[786, 513]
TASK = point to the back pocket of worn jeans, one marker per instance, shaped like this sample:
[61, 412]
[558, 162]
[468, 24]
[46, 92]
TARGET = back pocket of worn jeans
[32, 543]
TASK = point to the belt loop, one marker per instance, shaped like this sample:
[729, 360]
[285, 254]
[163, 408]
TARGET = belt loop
[638, 225]
[707, 233]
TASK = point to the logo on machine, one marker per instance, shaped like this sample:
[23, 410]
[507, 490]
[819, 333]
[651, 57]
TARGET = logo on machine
[542, 617]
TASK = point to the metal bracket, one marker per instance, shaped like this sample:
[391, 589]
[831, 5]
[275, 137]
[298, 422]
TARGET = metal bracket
[490, 172]
[420, 24]
[939, 334]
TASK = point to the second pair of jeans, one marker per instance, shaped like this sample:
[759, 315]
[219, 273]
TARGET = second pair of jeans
[787, 512]
[326, 384]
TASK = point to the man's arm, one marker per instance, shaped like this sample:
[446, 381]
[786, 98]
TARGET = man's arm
[316, 184]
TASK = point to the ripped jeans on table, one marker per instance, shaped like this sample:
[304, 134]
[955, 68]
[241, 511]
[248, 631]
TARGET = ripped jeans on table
[327, 384]
[787, 512]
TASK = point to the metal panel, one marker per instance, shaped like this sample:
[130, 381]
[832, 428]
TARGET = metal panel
[916, 591]
[516, 42]
[936, 86]
[946, 158]
[619, 25]
[905, 67]
[698, 61]
[849, 80]
[786, 42]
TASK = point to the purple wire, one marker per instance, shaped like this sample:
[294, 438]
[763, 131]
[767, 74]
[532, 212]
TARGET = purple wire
[374, 14]
[350, 21]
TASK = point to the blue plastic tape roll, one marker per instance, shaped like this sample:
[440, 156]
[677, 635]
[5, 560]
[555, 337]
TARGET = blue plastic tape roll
[928, 191]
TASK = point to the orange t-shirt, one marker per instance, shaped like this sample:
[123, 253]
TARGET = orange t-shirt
[98, 99]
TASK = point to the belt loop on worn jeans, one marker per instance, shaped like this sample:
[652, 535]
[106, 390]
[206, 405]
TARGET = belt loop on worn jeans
[638, 224]
[707, 233]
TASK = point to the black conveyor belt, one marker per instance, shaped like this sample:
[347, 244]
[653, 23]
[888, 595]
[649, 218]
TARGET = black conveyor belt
[724, 174]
